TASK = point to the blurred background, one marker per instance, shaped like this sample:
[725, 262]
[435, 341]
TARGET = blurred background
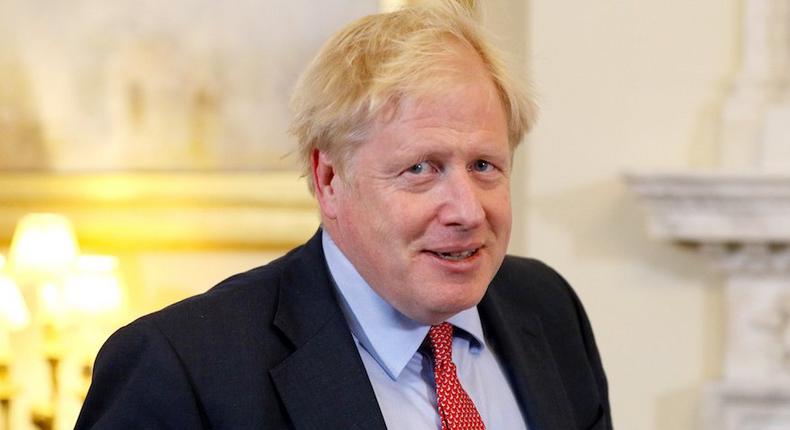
[144, 158]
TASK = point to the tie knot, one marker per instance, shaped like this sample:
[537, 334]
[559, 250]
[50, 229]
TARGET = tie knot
[441, 337]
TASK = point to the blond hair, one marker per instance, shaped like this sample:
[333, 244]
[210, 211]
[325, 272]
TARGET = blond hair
[379, 59]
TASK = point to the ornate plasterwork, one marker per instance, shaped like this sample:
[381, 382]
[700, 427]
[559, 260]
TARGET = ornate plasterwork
[716, 207]
[742, 223]
[775, 324]
[748, 258]
[747, 406]
[758, 327]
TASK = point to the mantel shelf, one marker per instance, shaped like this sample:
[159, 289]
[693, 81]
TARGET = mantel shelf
[715, 207]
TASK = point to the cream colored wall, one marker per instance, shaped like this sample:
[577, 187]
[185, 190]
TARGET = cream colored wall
[627, 85]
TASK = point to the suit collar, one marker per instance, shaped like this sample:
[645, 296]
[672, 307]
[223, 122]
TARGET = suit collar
[305, 300]
[324, 375]
[526, 357]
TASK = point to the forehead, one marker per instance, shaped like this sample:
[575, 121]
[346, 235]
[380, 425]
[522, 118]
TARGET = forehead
[466, 122]
[468, 104]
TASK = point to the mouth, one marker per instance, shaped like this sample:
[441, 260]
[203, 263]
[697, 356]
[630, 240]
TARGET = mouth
[456, 255]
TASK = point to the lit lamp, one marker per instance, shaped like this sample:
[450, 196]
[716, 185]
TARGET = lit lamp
[44, 248]
[43, 252]
[93, 295]
[13, 316]
[94, 288]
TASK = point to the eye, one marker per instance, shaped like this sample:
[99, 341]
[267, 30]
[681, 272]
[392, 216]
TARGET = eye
[481, 166]
[419, 168]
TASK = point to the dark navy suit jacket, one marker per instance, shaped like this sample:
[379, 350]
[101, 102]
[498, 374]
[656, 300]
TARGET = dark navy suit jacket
[270, 349]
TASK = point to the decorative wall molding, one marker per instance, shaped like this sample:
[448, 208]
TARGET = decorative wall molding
[710, 207]
[167, 210]
[749, 259]
[741, 222]
[736, 406]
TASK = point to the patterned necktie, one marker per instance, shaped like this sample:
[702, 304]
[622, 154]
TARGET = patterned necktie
[456, 408]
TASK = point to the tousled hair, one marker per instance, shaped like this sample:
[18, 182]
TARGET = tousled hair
[377, 60]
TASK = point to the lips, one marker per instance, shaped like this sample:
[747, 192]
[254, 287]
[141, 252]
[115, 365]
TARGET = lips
[458, 254]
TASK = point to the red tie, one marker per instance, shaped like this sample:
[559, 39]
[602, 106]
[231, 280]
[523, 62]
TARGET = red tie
[456, 408]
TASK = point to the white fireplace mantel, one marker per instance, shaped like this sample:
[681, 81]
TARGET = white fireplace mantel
[716, 208]
[741, 221]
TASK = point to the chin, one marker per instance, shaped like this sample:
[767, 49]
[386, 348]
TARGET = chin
[454, 304]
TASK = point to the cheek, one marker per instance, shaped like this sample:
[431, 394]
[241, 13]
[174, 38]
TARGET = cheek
[379, 226]
[499, 210]
[407, 216]
[507, 214]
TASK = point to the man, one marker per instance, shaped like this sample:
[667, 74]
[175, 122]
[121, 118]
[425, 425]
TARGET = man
[403, 311]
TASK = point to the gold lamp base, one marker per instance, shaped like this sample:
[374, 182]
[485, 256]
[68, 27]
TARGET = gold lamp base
[5, 407]
[43, 417]
[6, 394]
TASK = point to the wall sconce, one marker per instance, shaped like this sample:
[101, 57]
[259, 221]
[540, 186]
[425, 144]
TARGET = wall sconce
[43, 251]
[92, 295]
[74, 292]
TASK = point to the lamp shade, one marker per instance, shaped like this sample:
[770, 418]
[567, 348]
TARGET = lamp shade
[13, 311]
[44, 245]
[94, 287]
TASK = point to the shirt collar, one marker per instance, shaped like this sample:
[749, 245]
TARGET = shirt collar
[389, 336]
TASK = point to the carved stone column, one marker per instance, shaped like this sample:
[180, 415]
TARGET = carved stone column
[755, 392]
[742, 222]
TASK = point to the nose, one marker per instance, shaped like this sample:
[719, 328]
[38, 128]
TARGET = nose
[461, 201]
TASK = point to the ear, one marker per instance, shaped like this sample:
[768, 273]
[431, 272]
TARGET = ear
[325, 181]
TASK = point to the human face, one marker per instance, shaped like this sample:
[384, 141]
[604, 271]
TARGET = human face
[423, 211]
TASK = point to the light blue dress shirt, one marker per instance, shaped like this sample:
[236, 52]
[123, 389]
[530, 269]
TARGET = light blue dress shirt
[402, 377]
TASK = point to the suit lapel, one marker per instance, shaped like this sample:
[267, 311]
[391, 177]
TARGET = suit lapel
[323, 384]
[524, 353]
